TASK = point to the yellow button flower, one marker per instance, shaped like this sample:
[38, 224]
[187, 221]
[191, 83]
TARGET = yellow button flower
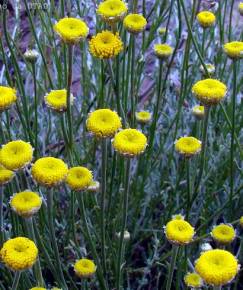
[112, 11]
[163, 50]
[129, 142]
[143, 117]
[105, 45]
[5, 175]
[49, 171]
[240, 8]
[223, 233]
[179, 232]
[234, 49]
[19, 253]
[209, 91]
[206, 18]
[162, 30]
[16, 154]
[71, 30]
[79, 178]
[134, 23]
[198, 112]
[7, 97]
[84, 268]
[26, 203]
[193, 280]
[188, 146]
[103, 123]
[57, 100]
[217, 267]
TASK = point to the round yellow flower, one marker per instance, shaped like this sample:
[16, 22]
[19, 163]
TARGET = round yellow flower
[234, 49]
[206, 18]
[163, 50]
[241, 221]
[134, 23]
[38, 288]
[198, 112]
[94, 186]
[209, 91]
[7, 97]
[84, 268]
[193, 280]
[188, 146]
[162, 30]
[143, 117]
[57, 100]
[103, 123]
[179, 232]
[105, 45]
[240, 8]
[112, 11]
[223, 233]
[79, 178]
[16, 154]
[26, 203]
[49, 171]
[5, 175]
[19, 253]
[71, 30]
[217, 267]
[129, 142]
[210, 69]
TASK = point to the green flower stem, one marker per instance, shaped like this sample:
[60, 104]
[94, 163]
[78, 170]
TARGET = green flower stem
[203, 42]
[35, 109]
[132, 94]
[69, 105]
[37, 266]
[16, 280]
[175, 249]
[103, 199]
[1, 216]
[123, 225]
[188, 187]
[232, 138]
[91, 242]
[50, 207]
[217, 288]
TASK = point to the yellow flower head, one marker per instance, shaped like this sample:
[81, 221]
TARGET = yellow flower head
[188, 146]
[179, 232]
[217, 267]
[7, 97]
[79, 178]
[143, 117]
[38, 288]
[193, 280]
[240, 8]
[163, 50]
[112, 11]
[84, 268]
[105, 44]
[94, 186]
[241, 221]
[49, 171]
[16, 154]
[223, 233]
[210, 69]
[103, 123]
[57, 100]
[134, 23]
[198, 112]
[234, 49]
[162, 30]
[206, 18]
[209, 91]
[19, 253]
[5, 175]
[26, 203]
[71, 30]
[129, 142]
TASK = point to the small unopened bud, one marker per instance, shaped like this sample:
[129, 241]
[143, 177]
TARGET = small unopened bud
[198, 112]
[94, 186]
[240, 8]
[31, 55]
[126, 235]
[206, 247]
[210, 68]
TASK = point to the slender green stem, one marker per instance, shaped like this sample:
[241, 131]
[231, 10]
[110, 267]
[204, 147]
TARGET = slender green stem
[50, 207]
[37, 266]
[203, 42]
[132, 94]
[188, 186]
[175, 249]
[217, 288]
[16, 280]
[232, 137]
[123, 225]
[103, 199]
[1, 216]
[35, 109]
